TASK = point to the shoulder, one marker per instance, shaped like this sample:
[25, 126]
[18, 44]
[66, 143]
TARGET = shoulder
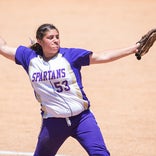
[23, 51]
[76, 55]
[24, 55]
[74, 51]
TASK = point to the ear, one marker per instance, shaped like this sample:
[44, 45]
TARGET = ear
[39, 42]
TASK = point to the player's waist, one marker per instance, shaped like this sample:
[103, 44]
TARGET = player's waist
[72, 119]
[63, 111]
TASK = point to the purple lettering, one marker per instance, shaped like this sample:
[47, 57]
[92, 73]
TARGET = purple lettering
[63, 72]
[58, 73]
[38, 76]
[53, 75]
[48, 75]
[49, 72]
[45, 75]
[34, 77]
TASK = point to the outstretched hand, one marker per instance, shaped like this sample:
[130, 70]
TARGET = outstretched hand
[146, 43]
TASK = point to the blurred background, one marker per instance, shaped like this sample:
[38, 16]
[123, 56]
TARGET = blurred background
[122, 93]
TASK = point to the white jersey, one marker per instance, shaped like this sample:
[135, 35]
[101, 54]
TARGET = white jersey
[57, 83]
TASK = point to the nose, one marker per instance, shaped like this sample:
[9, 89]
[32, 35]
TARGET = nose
[56, 40]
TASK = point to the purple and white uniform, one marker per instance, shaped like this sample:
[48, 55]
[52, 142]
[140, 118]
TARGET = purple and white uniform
[58, 88]
[57, 83]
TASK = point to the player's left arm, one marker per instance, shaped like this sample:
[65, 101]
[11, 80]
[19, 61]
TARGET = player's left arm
[112, 55]
[7, 51]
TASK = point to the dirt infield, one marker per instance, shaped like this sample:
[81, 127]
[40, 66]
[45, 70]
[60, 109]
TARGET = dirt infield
[122, 93]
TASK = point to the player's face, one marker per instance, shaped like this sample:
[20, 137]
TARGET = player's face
[50, 43]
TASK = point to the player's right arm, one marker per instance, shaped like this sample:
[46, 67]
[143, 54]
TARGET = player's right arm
[7, 51]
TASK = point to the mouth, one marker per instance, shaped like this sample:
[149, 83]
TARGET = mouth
[56, 45]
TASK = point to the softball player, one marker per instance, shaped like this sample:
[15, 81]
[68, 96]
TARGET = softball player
[55, 76]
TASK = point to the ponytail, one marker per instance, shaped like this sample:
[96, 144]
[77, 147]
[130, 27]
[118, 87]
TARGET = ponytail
[37, 48]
